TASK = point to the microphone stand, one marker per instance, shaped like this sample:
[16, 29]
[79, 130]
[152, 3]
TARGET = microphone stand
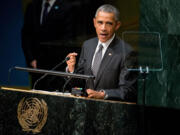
[9, 75]
[75, 71]
[64, 86]
[144, 77]
[43, 76]
[56, 73]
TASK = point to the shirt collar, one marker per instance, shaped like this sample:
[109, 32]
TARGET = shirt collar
[107, 43]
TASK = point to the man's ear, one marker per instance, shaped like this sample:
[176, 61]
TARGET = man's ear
[94, 20]
[118, 25]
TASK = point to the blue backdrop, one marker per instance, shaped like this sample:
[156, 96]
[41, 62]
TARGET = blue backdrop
[11, 53]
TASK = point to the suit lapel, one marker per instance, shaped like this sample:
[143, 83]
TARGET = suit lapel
[104, 64]
[37, 7]
[91, 54]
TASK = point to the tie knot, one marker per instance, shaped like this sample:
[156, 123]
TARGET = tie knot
[100, 47]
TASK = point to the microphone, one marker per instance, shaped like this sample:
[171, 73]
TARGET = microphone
[43, 76]
[75, 71]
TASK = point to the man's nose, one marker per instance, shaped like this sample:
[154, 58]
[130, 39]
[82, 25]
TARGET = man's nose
[103, 27]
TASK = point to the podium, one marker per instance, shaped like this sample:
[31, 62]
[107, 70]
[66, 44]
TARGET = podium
[24, 112]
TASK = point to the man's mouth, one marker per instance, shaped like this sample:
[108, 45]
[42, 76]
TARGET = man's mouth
[103, 34]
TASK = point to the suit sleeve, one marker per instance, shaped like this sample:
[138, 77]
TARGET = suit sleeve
[127, 85]
[75, 82]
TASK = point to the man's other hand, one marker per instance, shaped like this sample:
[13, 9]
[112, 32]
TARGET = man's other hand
[34, 63]
[95, 94]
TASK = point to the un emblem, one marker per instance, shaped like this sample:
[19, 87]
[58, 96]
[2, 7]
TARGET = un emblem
[32, 114]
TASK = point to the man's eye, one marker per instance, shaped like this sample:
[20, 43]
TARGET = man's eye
[109, 23]
[99, 22]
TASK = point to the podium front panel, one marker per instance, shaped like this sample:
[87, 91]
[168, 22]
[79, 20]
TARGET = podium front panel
[25, 112]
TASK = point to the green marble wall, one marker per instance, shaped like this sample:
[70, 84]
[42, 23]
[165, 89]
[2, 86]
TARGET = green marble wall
[163, 88]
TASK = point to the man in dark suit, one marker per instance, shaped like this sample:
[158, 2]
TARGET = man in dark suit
[112, 79]
[45, 34]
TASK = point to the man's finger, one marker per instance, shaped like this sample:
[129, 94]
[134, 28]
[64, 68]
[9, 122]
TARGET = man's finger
[72, 54]
[90, 96]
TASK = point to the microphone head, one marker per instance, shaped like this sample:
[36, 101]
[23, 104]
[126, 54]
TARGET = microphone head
[67, 58]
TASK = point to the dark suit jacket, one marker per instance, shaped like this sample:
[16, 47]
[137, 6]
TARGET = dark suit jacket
[113, 76]
[58, 27]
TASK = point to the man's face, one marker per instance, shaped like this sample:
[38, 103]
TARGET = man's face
[105, 25]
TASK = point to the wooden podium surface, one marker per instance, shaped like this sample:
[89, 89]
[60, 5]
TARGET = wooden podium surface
[25, 112]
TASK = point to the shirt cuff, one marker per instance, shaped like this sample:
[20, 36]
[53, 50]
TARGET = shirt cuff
[67, 70]
[106, 95]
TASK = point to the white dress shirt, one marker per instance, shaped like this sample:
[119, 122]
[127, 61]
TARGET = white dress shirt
[105, 46]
